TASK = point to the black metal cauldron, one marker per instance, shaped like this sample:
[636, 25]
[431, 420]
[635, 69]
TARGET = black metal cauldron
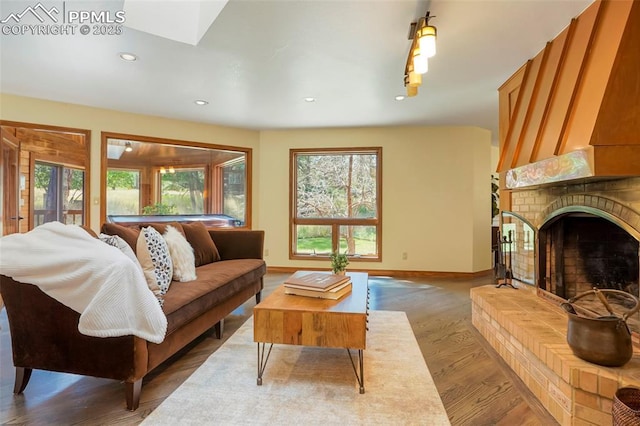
[604, 340]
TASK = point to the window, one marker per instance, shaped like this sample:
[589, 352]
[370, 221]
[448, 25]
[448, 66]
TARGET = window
[182, 190]
[58, 194]
[335, 203]
[233, 189]
[123, 191]
[151, 176]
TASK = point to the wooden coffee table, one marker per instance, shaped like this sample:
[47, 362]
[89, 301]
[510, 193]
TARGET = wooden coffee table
[298, 320]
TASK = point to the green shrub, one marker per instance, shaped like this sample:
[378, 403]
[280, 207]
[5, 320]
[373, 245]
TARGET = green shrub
[158, 208]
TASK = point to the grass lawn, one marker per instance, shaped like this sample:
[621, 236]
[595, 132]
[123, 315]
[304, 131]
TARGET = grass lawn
[322, 245]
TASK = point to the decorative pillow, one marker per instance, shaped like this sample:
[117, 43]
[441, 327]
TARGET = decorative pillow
[182, 257]
[204, 248]
[154, 257]
[130, 235]
[119, 243]
[161, 227]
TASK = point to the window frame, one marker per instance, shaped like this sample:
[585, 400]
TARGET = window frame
[335, 223]
[248, 154]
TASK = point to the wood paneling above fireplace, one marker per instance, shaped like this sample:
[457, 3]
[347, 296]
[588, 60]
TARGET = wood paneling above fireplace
[579, 93]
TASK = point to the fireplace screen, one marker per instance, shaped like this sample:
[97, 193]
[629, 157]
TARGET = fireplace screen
[517, 246]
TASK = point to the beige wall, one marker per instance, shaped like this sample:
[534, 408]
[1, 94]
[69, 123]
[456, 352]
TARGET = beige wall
[436, 202]
[436, 194]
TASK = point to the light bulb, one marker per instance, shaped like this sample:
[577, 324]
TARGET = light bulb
[427, 41]
[420, 62]
[163, 170]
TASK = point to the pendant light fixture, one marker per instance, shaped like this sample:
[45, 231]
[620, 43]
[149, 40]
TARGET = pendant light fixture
[427, 35]
[423, 46]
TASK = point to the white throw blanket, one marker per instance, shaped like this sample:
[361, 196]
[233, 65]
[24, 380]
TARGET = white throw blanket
[87, 275]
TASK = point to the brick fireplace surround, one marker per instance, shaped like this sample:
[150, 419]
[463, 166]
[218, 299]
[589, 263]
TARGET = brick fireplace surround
[529, 331]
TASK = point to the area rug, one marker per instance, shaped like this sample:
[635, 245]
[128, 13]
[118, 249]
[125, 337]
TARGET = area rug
[308, 385]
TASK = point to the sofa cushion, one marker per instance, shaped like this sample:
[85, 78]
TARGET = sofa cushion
[216, 282]
[155, 260]
[184, 265]
[204, 248]
[130, 235]
[161, 227]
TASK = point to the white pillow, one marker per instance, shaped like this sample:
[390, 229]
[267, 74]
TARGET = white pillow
[155, 259]
[184, 261]
[118, 242]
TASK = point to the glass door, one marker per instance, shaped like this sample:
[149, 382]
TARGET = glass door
[58, 194]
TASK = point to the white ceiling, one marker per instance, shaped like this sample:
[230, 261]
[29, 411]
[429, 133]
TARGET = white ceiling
[261, 58]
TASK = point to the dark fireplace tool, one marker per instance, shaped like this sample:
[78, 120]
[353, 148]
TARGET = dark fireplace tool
[602, 340]
[502, 270]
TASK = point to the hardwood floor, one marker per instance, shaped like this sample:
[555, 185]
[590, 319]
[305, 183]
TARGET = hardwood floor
[476, 386]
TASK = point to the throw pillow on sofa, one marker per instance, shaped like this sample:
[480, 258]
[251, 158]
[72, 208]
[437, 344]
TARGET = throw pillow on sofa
[161, 227]
[154, 257]
[204, 248]
[182, 257]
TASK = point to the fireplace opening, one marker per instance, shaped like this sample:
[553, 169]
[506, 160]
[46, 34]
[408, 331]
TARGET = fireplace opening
[580, 251]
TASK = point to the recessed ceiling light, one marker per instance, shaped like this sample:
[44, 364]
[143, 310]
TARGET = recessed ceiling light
[200, 102]
[129, 57]
[309, 99]
[399, 98]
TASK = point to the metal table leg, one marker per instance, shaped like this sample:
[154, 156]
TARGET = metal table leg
[360, 374]
[262, 360]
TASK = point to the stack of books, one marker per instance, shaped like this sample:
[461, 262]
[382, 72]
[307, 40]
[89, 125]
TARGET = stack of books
[319, 285]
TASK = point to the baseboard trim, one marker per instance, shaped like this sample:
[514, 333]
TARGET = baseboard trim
[389, 272]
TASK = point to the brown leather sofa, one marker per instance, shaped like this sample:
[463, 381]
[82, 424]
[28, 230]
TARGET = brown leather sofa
[45, 336]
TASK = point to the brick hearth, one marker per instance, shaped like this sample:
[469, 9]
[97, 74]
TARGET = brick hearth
[529, 333]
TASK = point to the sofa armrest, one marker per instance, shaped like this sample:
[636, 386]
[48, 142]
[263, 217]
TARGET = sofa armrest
[45, 336]
[238, 244]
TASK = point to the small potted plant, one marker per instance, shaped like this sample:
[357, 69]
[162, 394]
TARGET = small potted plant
[339, 262]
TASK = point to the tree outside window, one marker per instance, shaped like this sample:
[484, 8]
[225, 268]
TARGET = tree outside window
[336, 203]
[183, 189]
